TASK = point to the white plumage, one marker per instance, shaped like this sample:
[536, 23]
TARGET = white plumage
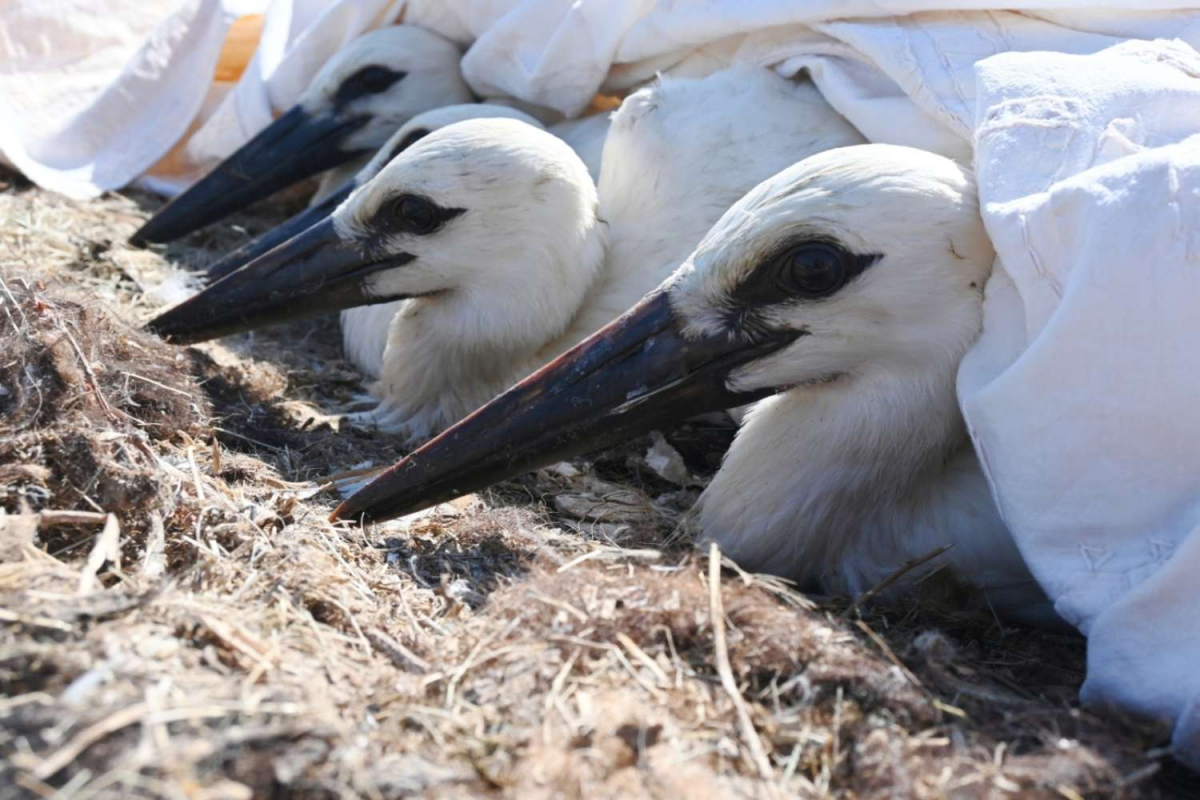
[866, 463]
[586, 136]
[365, 328]
[677, 155]
[432, 79]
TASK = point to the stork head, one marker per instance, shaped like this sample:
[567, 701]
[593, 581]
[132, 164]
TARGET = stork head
[853, 261]
[868, 258]
[358, 99]
[492, 217]
[409, 133]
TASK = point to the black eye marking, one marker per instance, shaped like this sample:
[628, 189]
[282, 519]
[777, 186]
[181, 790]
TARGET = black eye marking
[408, 141]
[367, 81]
[807, 270]
[410, 213]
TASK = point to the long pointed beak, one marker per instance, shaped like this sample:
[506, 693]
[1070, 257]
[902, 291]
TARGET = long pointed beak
[296, 224]
[638, 374]
[312, 273]
[291, 148]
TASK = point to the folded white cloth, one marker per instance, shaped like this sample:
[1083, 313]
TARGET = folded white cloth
[1082, 392]
[94, 92]
[1083, 119]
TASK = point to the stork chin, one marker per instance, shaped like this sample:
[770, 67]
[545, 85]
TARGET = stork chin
[291, 148]
[638, 374]
[312, 273]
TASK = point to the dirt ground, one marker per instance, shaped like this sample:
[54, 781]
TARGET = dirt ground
[178, 619]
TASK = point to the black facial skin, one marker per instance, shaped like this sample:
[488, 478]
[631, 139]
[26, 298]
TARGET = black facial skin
[412, 214]
[642, 372]
[807, 269]
[367, 81]
[300, 222]
[291, 148]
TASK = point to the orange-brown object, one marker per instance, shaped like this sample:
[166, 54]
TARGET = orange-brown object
[241, 41]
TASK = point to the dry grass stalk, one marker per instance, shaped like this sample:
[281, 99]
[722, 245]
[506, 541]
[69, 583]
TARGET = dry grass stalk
[107, 550]
[716, 608]
[226, 641]
[908, 566]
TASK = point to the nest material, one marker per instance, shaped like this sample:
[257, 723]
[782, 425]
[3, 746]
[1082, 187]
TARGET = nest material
[178, 619]
[83, 401]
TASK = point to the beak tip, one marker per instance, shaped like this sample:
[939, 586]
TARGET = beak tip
[155, 327]
[345, 512]
[161, 327]
[151, 232]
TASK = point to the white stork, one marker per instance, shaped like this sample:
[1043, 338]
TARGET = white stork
[360, 97]
[844, 290]
[364, 328]
[493, 233]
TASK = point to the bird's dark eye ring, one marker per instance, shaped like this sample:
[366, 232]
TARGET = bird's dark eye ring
[813, 269]
[415, 214]
[369, 80]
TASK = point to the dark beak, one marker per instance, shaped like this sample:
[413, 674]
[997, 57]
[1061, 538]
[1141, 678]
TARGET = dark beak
[638, 374]
[296, 224]
[312, 273]
[288, 150]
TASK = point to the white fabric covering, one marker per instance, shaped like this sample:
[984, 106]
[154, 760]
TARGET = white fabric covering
[1082, 393]
[93, 93]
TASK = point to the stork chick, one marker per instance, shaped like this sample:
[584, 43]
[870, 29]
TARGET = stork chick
[517, 238]
[364, 328]
[845, 289]
[486, 228]
[356, 102]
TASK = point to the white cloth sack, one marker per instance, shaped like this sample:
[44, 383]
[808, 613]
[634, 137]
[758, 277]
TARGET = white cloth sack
[95, 92]
[92, 92]
[1077, 393]
[1082, 392]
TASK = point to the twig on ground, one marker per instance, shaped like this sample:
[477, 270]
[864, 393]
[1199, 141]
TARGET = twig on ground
[559, 604]
[716, 609]
[153, 382]
[400, 655]
[91, 375]
[905, 568]
[50, 518]
[888, 653]
[107, 549]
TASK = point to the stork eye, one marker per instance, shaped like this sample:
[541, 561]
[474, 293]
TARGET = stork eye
[416, 214]
[814, 269]
[368, 80]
